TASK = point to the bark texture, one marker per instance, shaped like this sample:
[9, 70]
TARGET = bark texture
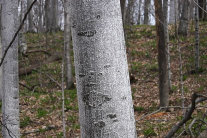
[139, 12]
[146, 11]
[165, 14]
[183, 26]
[104, 93]
[202, 13]
[0, 54]
[173, 7]
[162, 55]
[196, 37]
[10, 100]
[30, 17]
[129, 13]
[51, 9]
[67, 37]
[123, 7]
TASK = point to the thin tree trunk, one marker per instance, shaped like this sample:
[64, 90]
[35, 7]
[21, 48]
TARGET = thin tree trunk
[10, 100]
[30, 17]
[183, 26]
[129, 13]
[40, 14]
[104, 93]
[51, 15]
[67, 37]
[173, 7]
[165, 11]
[162, 55]
[196, 38]
[63, 98]
[1, 87]
[123, 7]
[139, 12]
[146, 11]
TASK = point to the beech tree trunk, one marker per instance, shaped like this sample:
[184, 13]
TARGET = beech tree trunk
[196, 37]
[123, 7]
[139, 13]
[10, 100]
[183, 26]
[67, 37]
[165, 14]
[173, 7]
[30, 17]
[51, 15]
[146, 11]
[0, 55]
[129, 13]
[162, 55]
[104, 93]
[40, 14]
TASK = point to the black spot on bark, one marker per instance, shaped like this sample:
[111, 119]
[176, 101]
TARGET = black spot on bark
[112, 116]
[100, 124]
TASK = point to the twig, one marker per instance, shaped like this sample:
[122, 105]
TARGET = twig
[38, 130]
[190, 126]
[52, 79]
[29, 88]
[161, 108]
[17, 32]
[43, 51]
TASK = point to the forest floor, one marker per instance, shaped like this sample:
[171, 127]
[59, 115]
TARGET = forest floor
[40, 92]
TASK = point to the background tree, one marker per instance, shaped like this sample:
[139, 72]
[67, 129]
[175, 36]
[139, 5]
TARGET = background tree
[1, 86]
[173, 7]
[67, 38]
[184, 19]
[30, 17]
[146, 11]
[162, 55]
[104, 95]
[10, 100]
[139, 12]
[123, 8]
[197, 64]
[129, 13]
[51, 9]
[202, 13]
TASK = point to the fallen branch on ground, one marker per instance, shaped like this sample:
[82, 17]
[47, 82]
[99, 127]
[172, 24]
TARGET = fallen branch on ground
[28, 70]
[196, 98]
[36, 51]
[39, 130]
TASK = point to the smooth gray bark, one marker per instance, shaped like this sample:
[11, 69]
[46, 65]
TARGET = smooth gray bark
[67, 38]
[40, 14]
[129, 13]
[165, 14]
[10, 100]
[139, 13]
[0, 54]
[196, 37]
[123, 9]
[51, 9]
[146, 11]
[183, 26]
[104, 93]
[173, 7]
[30, 17]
